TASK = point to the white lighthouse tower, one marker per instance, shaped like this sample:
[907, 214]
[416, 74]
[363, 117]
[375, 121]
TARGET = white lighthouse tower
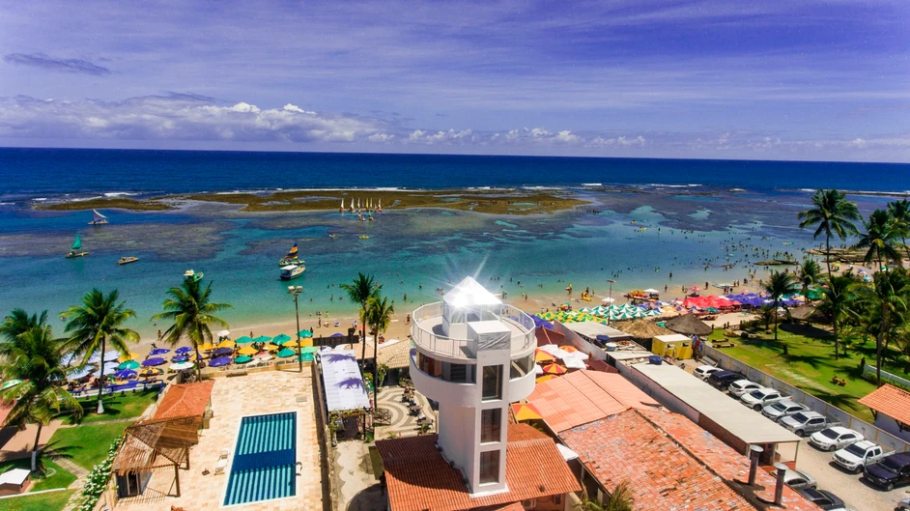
[474, 355]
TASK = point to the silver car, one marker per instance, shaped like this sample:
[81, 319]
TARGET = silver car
[740, 387]
[780, 409]
[797, 480]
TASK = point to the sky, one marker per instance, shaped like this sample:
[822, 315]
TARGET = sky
[789, 80]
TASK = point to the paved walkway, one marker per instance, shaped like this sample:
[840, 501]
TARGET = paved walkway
[402, 422]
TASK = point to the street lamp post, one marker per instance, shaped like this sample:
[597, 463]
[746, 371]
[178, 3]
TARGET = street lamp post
[295, 292]
[611, 281]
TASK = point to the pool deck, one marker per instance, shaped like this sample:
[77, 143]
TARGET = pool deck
[232, 399]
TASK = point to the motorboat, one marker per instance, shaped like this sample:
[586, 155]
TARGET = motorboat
[192, 275]
[127, 260]
[76, 249]
[292, 271]
[97, 218]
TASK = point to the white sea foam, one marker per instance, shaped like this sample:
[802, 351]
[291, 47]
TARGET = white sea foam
[39, 199]
[592, 184]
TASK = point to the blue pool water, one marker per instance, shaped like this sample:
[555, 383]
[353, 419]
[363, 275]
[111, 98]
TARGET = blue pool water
[264, 459]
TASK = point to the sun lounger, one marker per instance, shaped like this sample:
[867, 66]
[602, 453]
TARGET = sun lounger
[224, 454]
[220, 466]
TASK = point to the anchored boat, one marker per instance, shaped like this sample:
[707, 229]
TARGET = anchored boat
[97, 218]
[291, 258]
[127, 260]
[292, 271]
[76, 249]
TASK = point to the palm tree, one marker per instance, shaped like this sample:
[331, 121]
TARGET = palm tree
[837, 296]
[809, 273]
[900, 213]
[190, 309]
[379, 314]
[777, 286]
[619, 500]
[19, 322]
[886, 304]
[35, 358]
[832, 212]
[881, 233]
[360, 290]
[97, 323]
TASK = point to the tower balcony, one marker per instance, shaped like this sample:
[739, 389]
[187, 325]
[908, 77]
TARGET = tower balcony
[427, 332]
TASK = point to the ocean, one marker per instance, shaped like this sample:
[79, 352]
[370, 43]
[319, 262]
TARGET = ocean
[660, 217]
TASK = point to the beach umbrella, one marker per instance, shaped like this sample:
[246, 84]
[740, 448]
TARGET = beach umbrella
[94, 359]
[292, 342]
[111, 355]
[81, 372]
[286, 353]
[541, 356]
[202, 356]
[306, 334]
[242, 359]
[281, 338]
[180, 358]
[207, 347]
[224, 333]
[125, 374]
[110, 367]
[271, 347]
[129, 364]
[568, 349]
[309, 349]
[182, 366]
[248, 350]
[337, 334]
[220, 352]
[226, 344]
[264, 358]
[525, 412]
[244, 340]
[10, 383]
[182, 350]
[263, 338]
[544, 378]
[150, 371]
[154, 361]
[159, 351]
[220, 361]
[554, 369]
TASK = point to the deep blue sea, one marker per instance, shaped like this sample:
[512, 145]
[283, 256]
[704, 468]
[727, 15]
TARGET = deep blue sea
[669, 223]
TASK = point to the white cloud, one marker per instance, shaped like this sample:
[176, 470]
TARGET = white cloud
[442, 137]
[294, 108]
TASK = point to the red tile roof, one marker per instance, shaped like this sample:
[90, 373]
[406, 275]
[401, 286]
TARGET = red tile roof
[891, 401]
[186, 400]
[586, 396]
[419, 478]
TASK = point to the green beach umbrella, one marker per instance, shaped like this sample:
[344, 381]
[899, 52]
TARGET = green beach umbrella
[129, 364]
[262, 338]
[244, 340]
[306, 357]
[285, 353]
[242, 359]
[306, 334]
[281, 339]
[309, 349]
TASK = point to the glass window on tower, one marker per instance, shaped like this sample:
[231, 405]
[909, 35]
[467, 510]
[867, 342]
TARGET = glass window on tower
[489, 467]
[492, 382]
[490, 425]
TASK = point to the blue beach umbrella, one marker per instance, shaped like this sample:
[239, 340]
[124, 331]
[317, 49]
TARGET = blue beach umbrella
[154, 361]
[125, 374]
[160, 351]
[182, 350]
[220, 361]
[222, 351]
[262, 338]
[179, 358]
[337, 334]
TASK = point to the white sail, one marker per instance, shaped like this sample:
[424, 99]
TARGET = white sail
[98, 216]
[342, 203]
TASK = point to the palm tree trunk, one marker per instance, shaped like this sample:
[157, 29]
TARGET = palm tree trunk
[776, 319]
[828, 253]
[35, 448]
[100, 409]
[879, 344]
[375, 367]
[363, 338]
[836, 345]
[906, 248]
[198, 362]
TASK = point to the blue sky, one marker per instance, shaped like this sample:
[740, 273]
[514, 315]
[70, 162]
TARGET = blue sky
[826, 80]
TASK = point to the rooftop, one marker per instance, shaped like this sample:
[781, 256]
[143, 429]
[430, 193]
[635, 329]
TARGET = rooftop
[427, 332]
[15, 476]
[344, 388]
[592, 329]
[586, 396]
[891, 401]
[185, 400]
[420, 479]
[713, 404]
[469, 293]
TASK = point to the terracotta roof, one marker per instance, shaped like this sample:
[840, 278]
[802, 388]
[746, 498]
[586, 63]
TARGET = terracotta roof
[661, 475]
[548, 336]
[600, 365]
[185, 400]
[891, 401]
[397, 355]
[723, 459]
[420, 479]
[586, 396]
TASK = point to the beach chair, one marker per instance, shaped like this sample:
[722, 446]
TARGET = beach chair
[224, 454]
[220, 466]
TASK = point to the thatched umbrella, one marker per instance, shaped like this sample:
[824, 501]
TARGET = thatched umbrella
[689, 325]
[803, 313]
[641, 329]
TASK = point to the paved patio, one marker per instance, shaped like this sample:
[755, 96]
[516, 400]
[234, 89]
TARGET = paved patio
[233, 398]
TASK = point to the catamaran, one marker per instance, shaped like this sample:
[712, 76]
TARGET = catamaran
[97, 218]
[76, 249]
[291, 258]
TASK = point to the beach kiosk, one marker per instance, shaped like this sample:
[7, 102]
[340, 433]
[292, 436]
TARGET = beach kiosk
[676, 346]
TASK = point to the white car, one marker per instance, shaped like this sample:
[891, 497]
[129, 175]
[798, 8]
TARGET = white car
[835, 437]
[761, 397]
[777, 411]
[704, 371]
[740, 387]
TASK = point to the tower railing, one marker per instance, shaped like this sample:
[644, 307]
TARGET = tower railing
[466, 348]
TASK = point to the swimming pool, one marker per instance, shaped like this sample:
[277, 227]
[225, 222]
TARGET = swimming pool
[264, 459]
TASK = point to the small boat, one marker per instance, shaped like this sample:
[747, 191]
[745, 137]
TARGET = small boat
[333, 235]
[292, 271]
[341, 209]
[371, 216]
[379, 207]
[291, 258]
[76, 249]
[127, 260]
[364, 237]
[192, 275]
[97, 218]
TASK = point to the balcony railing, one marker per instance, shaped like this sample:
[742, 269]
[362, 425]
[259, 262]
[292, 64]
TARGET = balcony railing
[465, 348]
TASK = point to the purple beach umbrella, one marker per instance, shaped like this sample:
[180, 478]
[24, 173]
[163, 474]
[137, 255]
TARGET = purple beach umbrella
[160, 351]
[155, 361]
[220, 361]
[222, 351]
[183, 349]
[179, 358]
[337, 334]
[125, 374]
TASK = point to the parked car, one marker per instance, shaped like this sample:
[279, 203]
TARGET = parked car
[777, 411]
[740, 387]
[857, 456]
[834, 438]
[797, 480]
[722, 379]
[891, 471]
[762, 397]
[804, 423]
[821, 498]
[704, 371]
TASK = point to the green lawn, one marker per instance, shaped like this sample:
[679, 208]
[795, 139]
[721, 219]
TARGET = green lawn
[88, 444]
[131, 404]
[54, 501]
[57, 476]
[809, 364]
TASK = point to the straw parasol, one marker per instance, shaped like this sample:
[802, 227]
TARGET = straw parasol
[689, 325]
[642, 329]
[525, 412]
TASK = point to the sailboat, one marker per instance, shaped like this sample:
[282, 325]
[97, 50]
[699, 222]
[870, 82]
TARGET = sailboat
[291, 258]
[341, 209]
[379, 207]
[76, 249]
[97, 218]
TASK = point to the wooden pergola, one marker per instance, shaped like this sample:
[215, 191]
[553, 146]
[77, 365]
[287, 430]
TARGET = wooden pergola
[145, 443]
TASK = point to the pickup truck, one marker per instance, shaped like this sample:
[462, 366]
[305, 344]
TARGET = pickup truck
[891, 471]
[857, 456]
[803, 423]
[835, 437]
[760, 398]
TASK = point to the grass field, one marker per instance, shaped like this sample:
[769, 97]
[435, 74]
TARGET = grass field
[809, 364]
[131, 404]
[44, 502]
[88, 444]
[57, 476]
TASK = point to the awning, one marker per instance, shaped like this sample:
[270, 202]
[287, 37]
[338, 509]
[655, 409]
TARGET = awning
[344, 388]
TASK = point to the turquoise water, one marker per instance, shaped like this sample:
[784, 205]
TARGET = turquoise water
[264, 459]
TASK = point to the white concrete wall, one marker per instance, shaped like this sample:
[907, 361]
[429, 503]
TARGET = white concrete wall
[579, 341]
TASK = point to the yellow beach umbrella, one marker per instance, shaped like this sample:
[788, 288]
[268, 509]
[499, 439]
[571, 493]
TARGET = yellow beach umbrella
[525, 412]
[202, 356]
[207, 346]
[292, 342]
[554, 369]
[249, 350]
[544, 378]
[227, 344]
[272, 347]
[542, 356]
[150, 371]
[128, 356]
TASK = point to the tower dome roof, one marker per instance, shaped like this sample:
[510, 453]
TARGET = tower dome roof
[469, 293]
